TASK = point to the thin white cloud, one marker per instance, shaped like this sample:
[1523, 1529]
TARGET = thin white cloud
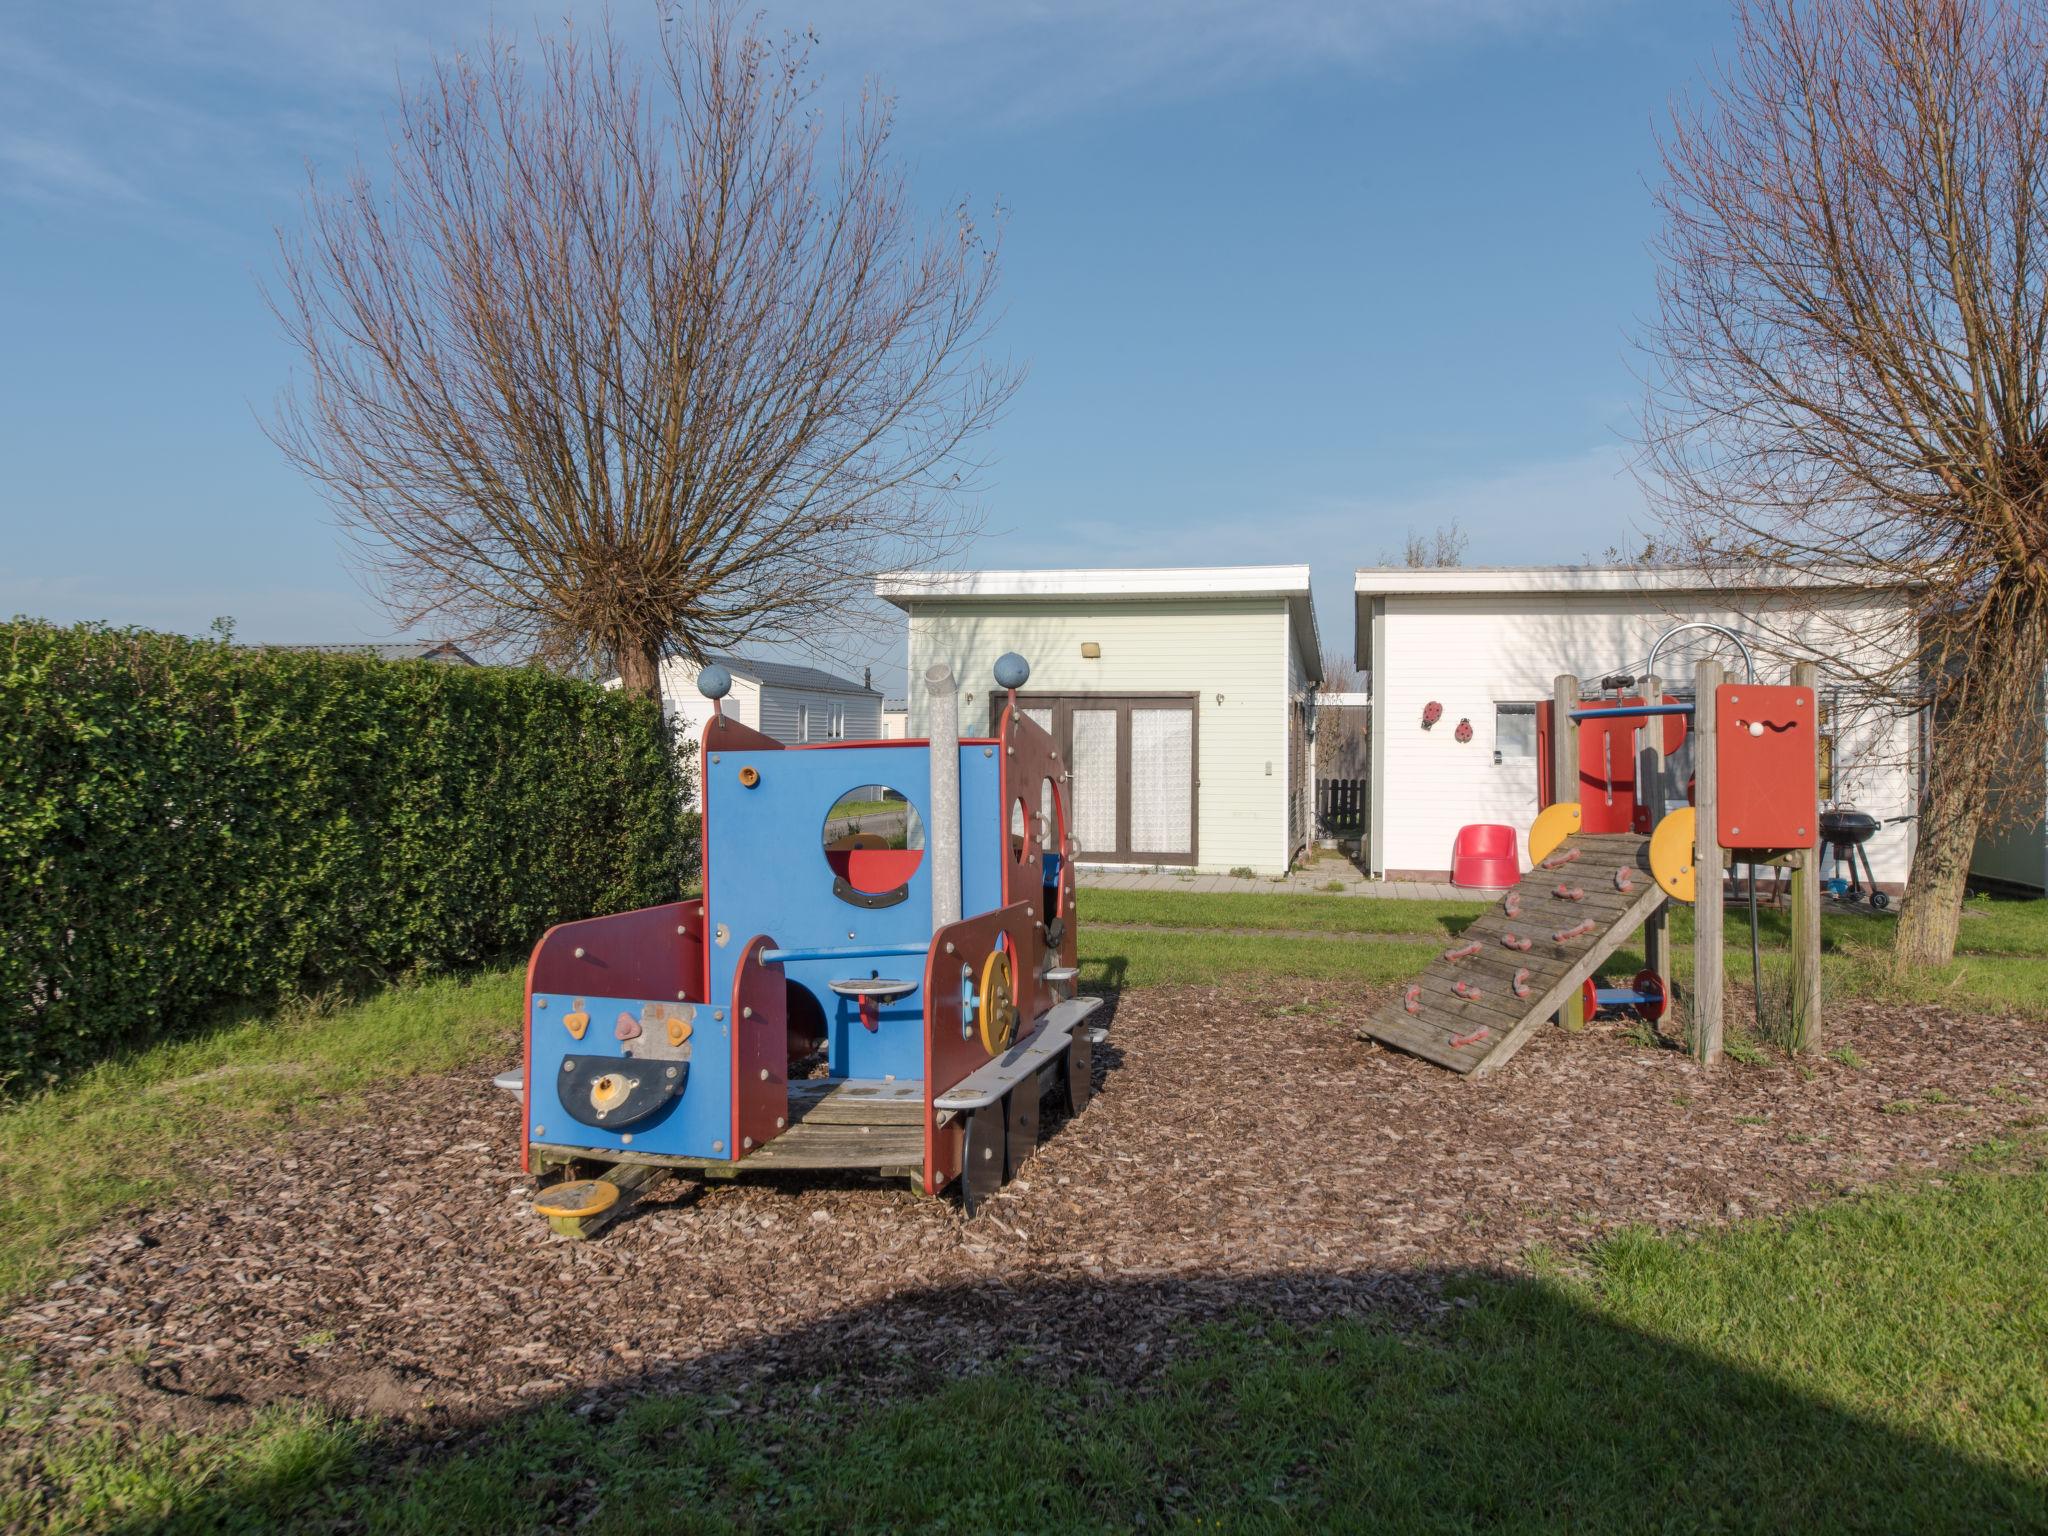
[1048, 57]
[47, 167]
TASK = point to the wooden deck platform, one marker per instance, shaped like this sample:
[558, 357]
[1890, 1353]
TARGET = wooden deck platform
[1556, 967]
[834, 1122]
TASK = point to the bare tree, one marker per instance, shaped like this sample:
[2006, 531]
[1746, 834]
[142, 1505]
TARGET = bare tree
[1848, 380]
[1441, 549]
[626, 362]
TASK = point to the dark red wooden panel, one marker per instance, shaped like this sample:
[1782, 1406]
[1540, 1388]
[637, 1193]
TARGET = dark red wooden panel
[948, 1055]
[1766, 753]
[1030, 757]
[656, 953]
[760, 1050]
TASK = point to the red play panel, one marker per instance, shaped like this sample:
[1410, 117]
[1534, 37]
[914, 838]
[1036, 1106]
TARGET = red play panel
[951, 1052]
[1767, 756]
[760, 1050]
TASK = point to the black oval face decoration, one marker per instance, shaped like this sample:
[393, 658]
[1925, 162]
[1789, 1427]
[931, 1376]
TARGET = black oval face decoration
[613, 1093]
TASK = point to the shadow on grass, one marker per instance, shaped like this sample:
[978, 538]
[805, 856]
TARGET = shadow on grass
[1514, 1403]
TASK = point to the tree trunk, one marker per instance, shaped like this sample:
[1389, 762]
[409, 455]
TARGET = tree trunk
[640, 669]
[1932, 911]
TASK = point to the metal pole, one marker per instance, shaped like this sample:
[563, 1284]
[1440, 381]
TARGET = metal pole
[943, 715]
[1650, 796]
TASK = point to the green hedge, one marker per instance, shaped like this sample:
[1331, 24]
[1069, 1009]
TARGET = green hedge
[185, 824]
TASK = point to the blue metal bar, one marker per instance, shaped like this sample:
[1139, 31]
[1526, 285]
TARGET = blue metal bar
[842, 952]
[1622, 997]
[1627, 710]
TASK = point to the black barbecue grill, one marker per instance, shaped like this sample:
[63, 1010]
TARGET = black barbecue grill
[1846, 831]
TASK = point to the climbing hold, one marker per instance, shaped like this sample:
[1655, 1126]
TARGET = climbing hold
[628, 1028]
[1413, 1001]
[1466, 990]
[678, 1031]
[1570, 892]
[1624, 879]
[1473, 1038]
[1522, 982]
[1511, 904]
[1573, 933]
[1515, 941]
[1562, 859]
[1463, 952]
[576, 1021]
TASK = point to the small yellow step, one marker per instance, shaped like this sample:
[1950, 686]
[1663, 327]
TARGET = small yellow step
[581, 1197]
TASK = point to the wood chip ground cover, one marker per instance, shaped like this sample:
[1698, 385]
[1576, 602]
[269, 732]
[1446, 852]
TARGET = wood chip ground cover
[1244, 1151]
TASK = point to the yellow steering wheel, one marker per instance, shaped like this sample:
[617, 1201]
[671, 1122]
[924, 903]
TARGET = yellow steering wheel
[998, 1010]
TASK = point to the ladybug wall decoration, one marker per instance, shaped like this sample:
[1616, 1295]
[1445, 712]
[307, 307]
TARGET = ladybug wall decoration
[1464, 731]
[1431, 713]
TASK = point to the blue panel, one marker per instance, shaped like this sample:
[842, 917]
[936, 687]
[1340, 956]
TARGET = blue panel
[697, 1124]
[766, 873]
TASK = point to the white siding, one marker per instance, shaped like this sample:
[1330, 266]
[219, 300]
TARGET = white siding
[1231, 653]
[1471, 651]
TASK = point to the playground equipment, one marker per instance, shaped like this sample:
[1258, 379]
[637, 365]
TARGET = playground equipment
[1484, 857]
[1615, 843]
[898, 912]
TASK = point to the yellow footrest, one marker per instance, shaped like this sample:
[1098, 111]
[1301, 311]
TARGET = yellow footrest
[581, 1197]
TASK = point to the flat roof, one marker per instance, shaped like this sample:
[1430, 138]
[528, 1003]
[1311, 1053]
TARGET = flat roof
[1382, 581]
[1371, 582]
[903, 589]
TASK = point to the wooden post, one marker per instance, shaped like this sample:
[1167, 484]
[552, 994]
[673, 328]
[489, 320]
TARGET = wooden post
[1707, 865]
[1564, 788]
[1650, 796]
[1804, 1031]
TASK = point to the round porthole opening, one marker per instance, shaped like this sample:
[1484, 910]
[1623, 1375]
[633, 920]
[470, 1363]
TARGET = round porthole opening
[873, 839]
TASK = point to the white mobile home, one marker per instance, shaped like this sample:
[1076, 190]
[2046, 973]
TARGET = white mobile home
[791, 703]
[1484, 644]
[1181, 698]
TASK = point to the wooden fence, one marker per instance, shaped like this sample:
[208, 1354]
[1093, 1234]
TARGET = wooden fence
[1340, 807]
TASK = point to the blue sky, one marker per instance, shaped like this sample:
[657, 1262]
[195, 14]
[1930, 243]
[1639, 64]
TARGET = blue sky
[1289, 278]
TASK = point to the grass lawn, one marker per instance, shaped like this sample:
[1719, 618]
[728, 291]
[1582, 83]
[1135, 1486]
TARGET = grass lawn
[2001, 961]
[1875, 1365]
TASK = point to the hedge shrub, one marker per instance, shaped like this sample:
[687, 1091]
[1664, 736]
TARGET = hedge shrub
[185, 824]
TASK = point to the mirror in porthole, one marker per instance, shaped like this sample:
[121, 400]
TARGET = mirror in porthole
[874, 842]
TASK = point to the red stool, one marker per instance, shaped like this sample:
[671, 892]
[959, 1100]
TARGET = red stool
[1485, 856]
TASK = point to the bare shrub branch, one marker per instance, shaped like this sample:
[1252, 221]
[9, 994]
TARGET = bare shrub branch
[1848, 358]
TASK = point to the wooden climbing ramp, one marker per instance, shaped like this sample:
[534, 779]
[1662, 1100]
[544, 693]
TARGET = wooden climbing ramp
[1483, 997]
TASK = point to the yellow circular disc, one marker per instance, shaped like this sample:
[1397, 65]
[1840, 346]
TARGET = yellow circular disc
[584, 1197]
[609, 1091]
[1671, 854]
[998, 1012]
[1553, 824]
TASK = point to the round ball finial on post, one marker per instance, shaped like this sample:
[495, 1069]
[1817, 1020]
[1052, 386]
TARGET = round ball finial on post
[1012, 670]
[714, 682]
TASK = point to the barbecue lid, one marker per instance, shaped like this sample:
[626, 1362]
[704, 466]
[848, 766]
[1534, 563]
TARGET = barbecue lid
[1848, 825]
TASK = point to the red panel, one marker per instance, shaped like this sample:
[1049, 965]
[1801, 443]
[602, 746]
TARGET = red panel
[874, 869]
[1030, 757]
[760, 1049]
[656, 953]
[948, 1056]
[1766, 753]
